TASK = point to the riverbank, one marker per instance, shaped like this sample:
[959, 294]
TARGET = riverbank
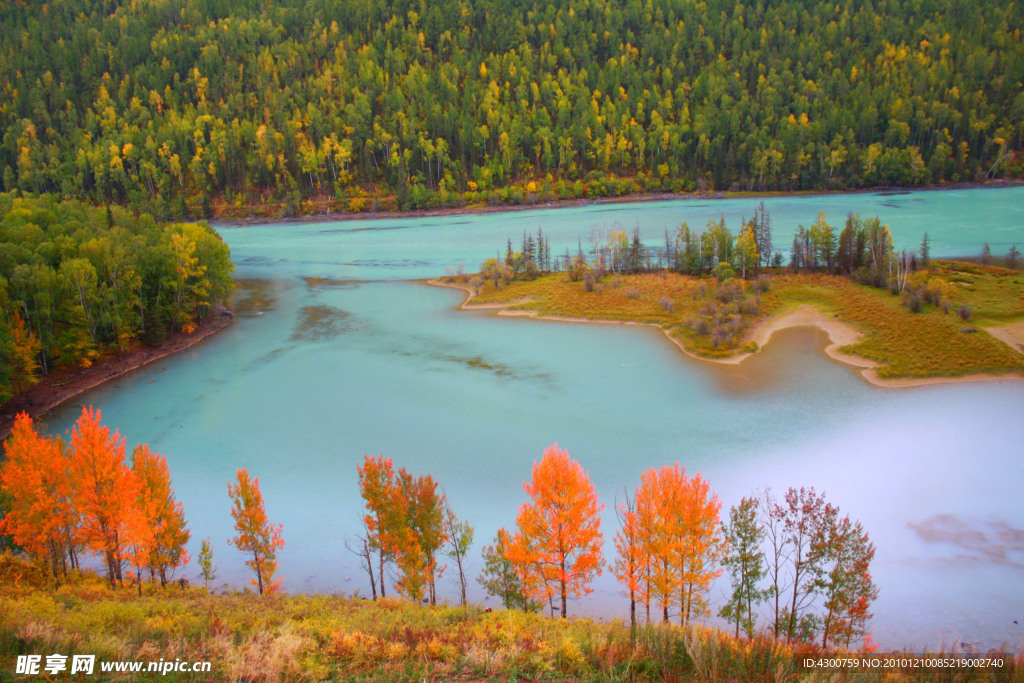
[58, 387]
[867, 328]
[321, 211]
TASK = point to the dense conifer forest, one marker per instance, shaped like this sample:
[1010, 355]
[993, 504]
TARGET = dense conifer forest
[185, 108]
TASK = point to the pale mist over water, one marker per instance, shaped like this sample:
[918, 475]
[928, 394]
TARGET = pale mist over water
[336, 354]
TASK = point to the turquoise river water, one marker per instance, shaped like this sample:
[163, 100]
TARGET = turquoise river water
[337, 352]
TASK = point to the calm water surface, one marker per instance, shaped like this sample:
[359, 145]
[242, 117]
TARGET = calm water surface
[336, 354]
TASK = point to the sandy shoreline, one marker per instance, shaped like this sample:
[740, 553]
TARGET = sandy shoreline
[568, 203]
[58, 387]
[839, 333]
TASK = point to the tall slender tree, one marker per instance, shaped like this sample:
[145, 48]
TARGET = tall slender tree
[166, 516]
[680, 539]
[806, 523]
[745, 563]
[926, 250]
[377, 486]
[630, 566]
[459, 536]
[420, 534]
[105, 490]
[847, 587]
[256, 535]
[772, 518]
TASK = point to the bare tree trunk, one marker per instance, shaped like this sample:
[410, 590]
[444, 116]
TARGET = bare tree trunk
[259, 573]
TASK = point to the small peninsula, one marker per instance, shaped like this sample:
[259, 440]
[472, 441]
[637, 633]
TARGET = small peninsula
[727, 320]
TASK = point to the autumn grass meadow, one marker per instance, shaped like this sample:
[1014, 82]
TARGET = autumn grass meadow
[278, 638]
[715, 320]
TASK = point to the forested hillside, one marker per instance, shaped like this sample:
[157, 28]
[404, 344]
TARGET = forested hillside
[77, 281]
[178, 107]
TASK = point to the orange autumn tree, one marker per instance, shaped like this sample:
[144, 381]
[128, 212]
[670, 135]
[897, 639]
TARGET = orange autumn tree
[557, 546]
[404, 523]
[420, 535]
[165, 516]
[680, 540]
[377, 487]
[42, 518]
[698, 560]
[256, 535]
[631, 566]
[656, 503]
[138, 535]
[105, 492]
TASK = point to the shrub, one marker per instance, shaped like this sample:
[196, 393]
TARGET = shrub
[718, 337]
[728, 291]
[750, 305]
[965, 312]
[935, 290]
[577, 269]
[632, 292]
[701, 325]
[20, 573]
[667, 304]
[724, 271]
[912, 300]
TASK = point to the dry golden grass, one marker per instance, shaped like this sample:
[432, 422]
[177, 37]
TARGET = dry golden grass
[995, 294]
[555, 295]
[281, 638]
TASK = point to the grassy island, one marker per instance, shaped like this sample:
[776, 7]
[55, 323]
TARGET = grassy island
[974, 327]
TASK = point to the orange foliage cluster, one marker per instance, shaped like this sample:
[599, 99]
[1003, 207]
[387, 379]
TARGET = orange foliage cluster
[256, 535]
[670, 543]
[82, 495]
[557, 547]
[404, 524]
